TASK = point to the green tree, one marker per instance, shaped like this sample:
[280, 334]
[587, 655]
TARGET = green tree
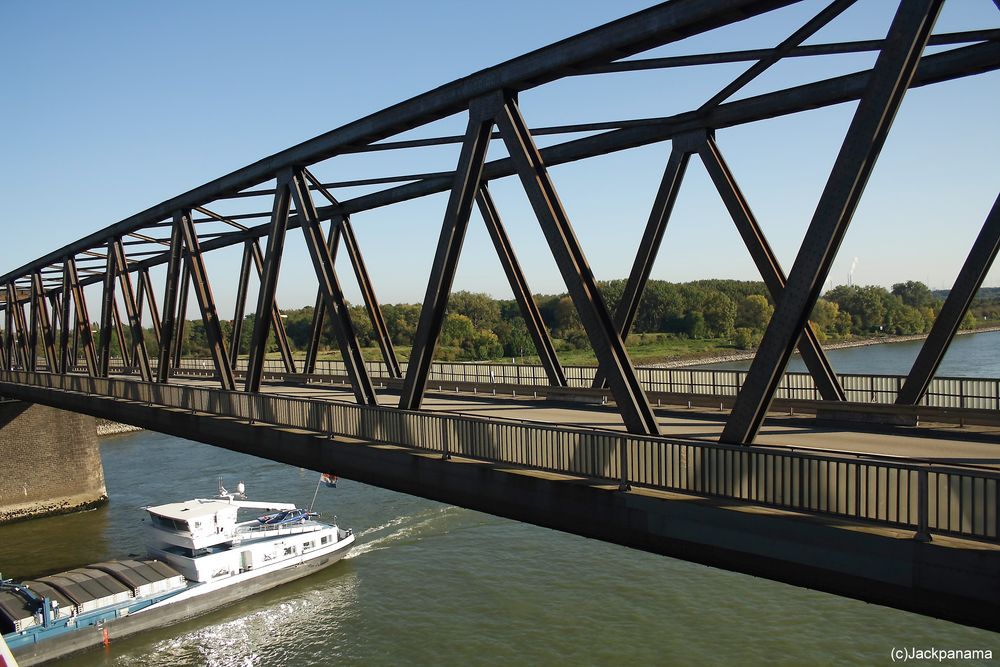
[754, 312]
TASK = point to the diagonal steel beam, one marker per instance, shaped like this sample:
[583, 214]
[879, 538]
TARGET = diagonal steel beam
[280, 335]
[116, 318]
[140, 356]
[832, 11]
[519, 286]
[767, 264]
[206, 302]
[268, 284]
[652, 236]
[44, 324]
[107, 304]
[146, 288]
[969, 280]
[182, 307]
[465, 184]
[65, 363]
[611, 355]
[343, 227]
[241, 304]
[364, 392]
[887, 85]
[168, 326]
[20, 329]
[371, 301]
[319, 309]
[83, 333]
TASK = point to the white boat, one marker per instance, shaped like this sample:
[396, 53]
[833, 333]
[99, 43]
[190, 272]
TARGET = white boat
[204, 555]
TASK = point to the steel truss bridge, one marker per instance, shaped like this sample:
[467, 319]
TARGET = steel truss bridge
[614, 481]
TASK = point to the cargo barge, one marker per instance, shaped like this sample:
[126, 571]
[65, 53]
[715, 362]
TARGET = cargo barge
[201, 556]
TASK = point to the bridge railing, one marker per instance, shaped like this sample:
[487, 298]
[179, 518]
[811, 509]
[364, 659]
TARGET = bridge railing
[923, 497]
[944, 392]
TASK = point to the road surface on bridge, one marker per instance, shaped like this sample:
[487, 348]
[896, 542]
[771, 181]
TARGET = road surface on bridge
[941, 444]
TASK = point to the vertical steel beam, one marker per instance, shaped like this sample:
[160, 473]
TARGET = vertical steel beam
[168, 328]
[280, 336]
[519, 286]
[468, 175]
[182, 306]
[767, 264]
[5, 347]
[887, 85]
[206, 303]
[140, 356]
[107, 305]
[33, 327]
[44, 323]
[319, 309]
[371, 300]
[65, 364]
[4, 336]
[241, 303]
[652, 236]
[84, 333]
[364, 392]
[268, 283]
[612, 357]
[969, 280]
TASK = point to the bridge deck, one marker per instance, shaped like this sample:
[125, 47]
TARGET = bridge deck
[937, 443]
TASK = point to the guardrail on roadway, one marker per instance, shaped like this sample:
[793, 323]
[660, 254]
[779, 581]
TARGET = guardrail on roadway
[944, 392]
[926, 498]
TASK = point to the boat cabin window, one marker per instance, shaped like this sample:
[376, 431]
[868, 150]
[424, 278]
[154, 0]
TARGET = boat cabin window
[324, 539]
[170, 524]
[289, 551]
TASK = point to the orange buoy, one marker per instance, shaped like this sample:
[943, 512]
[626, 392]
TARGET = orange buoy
[107, 641]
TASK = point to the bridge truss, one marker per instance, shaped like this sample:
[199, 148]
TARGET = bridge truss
[56, 333]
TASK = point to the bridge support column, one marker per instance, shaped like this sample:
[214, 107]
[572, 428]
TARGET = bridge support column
[56, 460]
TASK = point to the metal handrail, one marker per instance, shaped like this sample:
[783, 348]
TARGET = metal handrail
[924, 497]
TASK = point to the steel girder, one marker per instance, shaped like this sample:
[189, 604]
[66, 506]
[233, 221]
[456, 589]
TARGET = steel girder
[890, 79]
[612, 358]
[364, 392]
[206, 302]
[519, 286]
[465, 184]
[268, 283]
[969, 280]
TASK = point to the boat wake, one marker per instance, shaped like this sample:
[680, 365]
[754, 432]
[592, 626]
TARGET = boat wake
[400, 529]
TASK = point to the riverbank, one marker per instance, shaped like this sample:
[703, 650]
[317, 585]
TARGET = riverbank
[839, 345]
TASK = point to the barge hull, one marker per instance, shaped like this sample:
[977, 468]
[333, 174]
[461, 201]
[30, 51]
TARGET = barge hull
[173, 612]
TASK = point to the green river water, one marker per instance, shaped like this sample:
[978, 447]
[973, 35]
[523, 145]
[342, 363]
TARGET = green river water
[430, 584]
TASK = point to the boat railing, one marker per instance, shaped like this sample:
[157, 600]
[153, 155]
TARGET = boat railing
[289, 527]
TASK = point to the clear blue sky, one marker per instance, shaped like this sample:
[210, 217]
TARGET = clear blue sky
[111, 107]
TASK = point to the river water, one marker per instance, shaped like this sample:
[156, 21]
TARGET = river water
[970, 355]
[430, 584]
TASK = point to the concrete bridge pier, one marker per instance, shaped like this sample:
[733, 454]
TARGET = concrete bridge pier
[50, 462]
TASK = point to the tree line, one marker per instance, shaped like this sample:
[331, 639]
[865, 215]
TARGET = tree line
[733, 312]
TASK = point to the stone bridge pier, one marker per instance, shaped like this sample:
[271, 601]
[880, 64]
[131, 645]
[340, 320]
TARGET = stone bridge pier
[50, 461]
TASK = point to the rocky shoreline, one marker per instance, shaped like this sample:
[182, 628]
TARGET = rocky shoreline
[106, 427]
